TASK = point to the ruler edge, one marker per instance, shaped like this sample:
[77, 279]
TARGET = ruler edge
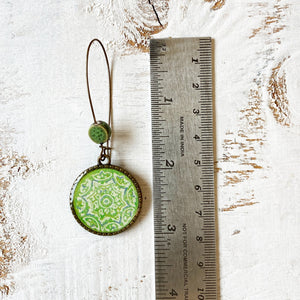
[214, 152]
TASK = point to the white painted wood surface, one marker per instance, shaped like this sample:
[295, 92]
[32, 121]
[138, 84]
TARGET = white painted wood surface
[45, 116]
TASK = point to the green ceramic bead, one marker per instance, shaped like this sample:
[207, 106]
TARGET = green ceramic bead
[100, 132]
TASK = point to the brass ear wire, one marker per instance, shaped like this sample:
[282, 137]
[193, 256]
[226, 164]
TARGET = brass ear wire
[87, 80]
[99, 128]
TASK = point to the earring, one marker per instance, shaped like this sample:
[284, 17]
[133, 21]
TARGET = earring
[105, 199]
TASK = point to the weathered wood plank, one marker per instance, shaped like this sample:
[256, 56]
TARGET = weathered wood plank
[44, 118]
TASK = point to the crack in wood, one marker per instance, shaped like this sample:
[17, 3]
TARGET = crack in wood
[134, 21]
[234, 206]
[237, 231]
[149, 1]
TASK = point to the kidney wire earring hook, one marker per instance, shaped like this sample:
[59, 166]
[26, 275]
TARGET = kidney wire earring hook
[100, 131]
[105, 199]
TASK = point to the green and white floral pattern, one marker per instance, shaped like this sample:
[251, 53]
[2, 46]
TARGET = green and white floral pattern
[105, 200]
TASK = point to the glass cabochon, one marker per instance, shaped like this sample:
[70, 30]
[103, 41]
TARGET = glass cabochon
[105, 199]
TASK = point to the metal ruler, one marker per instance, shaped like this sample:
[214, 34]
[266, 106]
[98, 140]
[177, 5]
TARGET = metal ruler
[183, 168]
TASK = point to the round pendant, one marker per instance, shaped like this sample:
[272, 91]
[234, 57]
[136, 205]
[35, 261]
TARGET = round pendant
[105, 199]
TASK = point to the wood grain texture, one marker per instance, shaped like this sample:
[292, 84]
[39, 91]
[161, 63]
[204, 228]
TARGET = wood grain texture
[44, 119]
[217, 4]
[277, 88]
[136, 21]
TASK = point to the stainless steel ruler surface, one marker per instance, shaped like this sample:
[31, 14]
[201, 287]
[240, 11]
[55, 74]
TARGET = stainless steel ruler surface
[183, 168]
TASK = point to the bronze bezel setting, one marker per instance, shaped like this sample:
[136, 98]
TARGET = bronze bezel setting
[108, 166]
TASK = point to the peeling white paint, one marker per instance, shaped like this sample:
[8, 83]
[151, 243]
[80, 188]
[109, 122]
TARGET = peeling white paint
[44, 115]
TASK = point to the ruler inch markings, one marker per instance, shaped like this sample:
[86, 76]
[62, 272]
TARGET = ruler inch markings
[183, 168]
